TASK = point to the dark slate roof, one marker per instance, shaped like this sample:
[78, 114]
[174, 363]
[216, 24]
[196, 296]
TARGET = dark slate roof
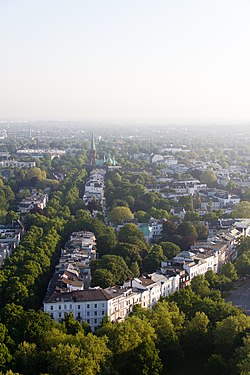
[80, 296]
[146, 281]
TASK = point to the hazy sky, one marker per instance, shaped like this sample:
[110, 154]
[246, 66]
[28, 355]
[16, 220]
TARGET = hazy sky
[143, 60]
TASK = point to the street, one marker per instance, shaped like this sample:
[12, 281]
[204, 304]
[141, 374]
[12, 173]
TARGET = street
[241, 295]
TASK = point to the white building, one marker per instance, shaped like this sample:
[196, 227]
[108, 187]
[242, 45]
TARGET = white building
[17, 164]
[94, 186]
[168, 284]
[150, 290]
[38, 200]
[92, 305]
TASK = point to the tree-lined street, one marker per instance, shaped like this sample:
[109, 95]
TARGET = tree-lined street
[240, 296]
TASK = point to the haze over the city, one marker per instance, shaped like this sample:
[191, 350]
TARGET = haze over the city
[141, 60]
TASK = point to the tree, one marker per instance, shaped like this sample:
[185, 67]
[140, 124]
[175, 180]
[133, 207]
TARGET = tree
[11, 216]
[242, 265]
[228, 269]
[167, 320]
[130, 233]
[213, 279]
[34, 175]
[27, 358]
[116, 266]
[208, 177]
[202, 231]
[229, 331]
[153, 259]
[196, 334]
[134, 268]
[170, 250]
[144, 360]
[242, 210]
[243, 356]
[129, 252]
[188, 233]
[192, 216]
[5, 355]
[142, 216]
[243, 245]
[187, 229]
[103, 278]
[118, 214]
[169, 230]
[217, 365]
[200, 286]
[72, 326]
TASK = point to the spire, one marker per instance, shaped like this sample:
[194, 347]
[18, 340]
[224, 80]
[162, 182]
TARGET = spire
[93, 151]
[93, 148]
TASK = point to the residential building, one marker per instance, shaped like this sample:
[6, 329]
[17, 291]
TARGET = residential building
[92, 305]
[36, 200]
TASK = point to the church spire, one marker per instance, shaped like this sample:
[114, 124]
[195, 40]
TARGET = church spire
[93, 151]
[93, 148]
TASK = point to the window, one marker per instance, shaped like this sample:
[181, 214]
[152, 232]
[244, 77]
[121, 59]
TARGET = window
[59, 307]
[79, 307]
[87, 306]
[70, 306]
[79, 315]
[95, 321]
[102, 304]
[87, 313]
[60, 315]
[103, 312]
[65, 307]
[52, 315]
[88, 321]
[95, 305]
[95, 312]
[51, 307]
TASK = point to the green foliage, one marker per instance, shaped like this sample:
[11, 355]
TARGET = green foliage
[120, 213]
[130, 233]
[153, 260]
[208, 177]
[111, 269]
[217, 365]
[242, 210]
[228, 269]
[202, 231]
[242, 264]
[229, 331]
[170, 250]
[200, 286]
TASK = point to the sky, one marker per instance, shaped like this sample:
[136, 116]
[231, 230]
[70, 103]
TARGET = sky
[173, 61]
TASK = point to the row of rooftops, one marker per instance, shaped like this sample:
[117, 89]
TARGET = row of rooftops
[73, 270]
[94, 186]
[99, 294]
[10, 237]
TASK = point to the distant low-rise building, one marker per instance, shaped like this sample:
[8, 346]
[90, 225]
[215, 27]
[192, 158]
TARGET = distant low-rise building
[36, 200]
[17, 164]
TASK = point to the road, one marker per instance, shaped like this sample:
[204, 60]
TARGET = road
[241, 295]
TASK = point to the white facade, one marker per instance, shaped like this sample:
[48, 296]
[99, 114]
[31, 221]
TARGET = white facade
[168, 285]
[150, 290]
[93, 305]
[36, 200]
[17, 164]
